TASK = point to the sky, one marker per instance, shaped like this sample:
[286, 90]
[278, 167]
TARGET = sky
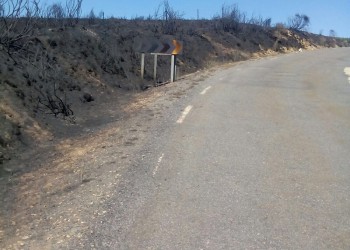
[324, 14]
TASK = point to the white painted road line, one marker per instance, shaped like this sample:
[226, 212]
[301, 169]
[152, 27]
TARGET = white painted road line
[184, 114]
[158, 164]
[205, 90]
[347, 72]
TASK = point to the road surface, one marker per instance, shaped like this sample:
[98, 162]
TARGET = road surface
[257, 156]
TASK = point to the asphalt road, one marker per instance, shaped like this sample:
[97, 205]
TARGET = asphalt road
[257, 156]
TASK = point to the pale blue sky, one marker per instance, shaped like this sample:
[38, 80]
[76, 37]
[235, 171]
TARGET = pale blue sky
[324, 14]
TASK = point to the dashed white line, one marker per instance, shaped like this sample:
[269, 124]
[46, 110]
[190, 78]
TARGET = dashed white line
[347, 72]
[158, 164]
[205, 90]
[184, 114]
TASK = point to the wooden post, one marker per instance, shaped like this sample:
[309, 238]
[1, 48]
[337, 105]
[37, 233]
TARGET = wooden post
[172, 71]
[155, 68]
[142, 65]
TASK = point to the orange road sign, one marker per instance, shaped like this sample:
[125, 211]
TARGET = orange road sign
[173, 47]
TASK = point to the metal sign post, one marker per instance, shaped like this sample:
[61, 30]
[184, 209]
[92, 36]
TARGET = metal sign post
[142, 65]
[172, 71]
[155, 68]
[169, 48]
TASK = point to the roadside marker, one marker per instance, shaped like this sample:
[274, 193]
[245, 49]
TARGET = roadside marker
[184, 114]
[165, 47]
